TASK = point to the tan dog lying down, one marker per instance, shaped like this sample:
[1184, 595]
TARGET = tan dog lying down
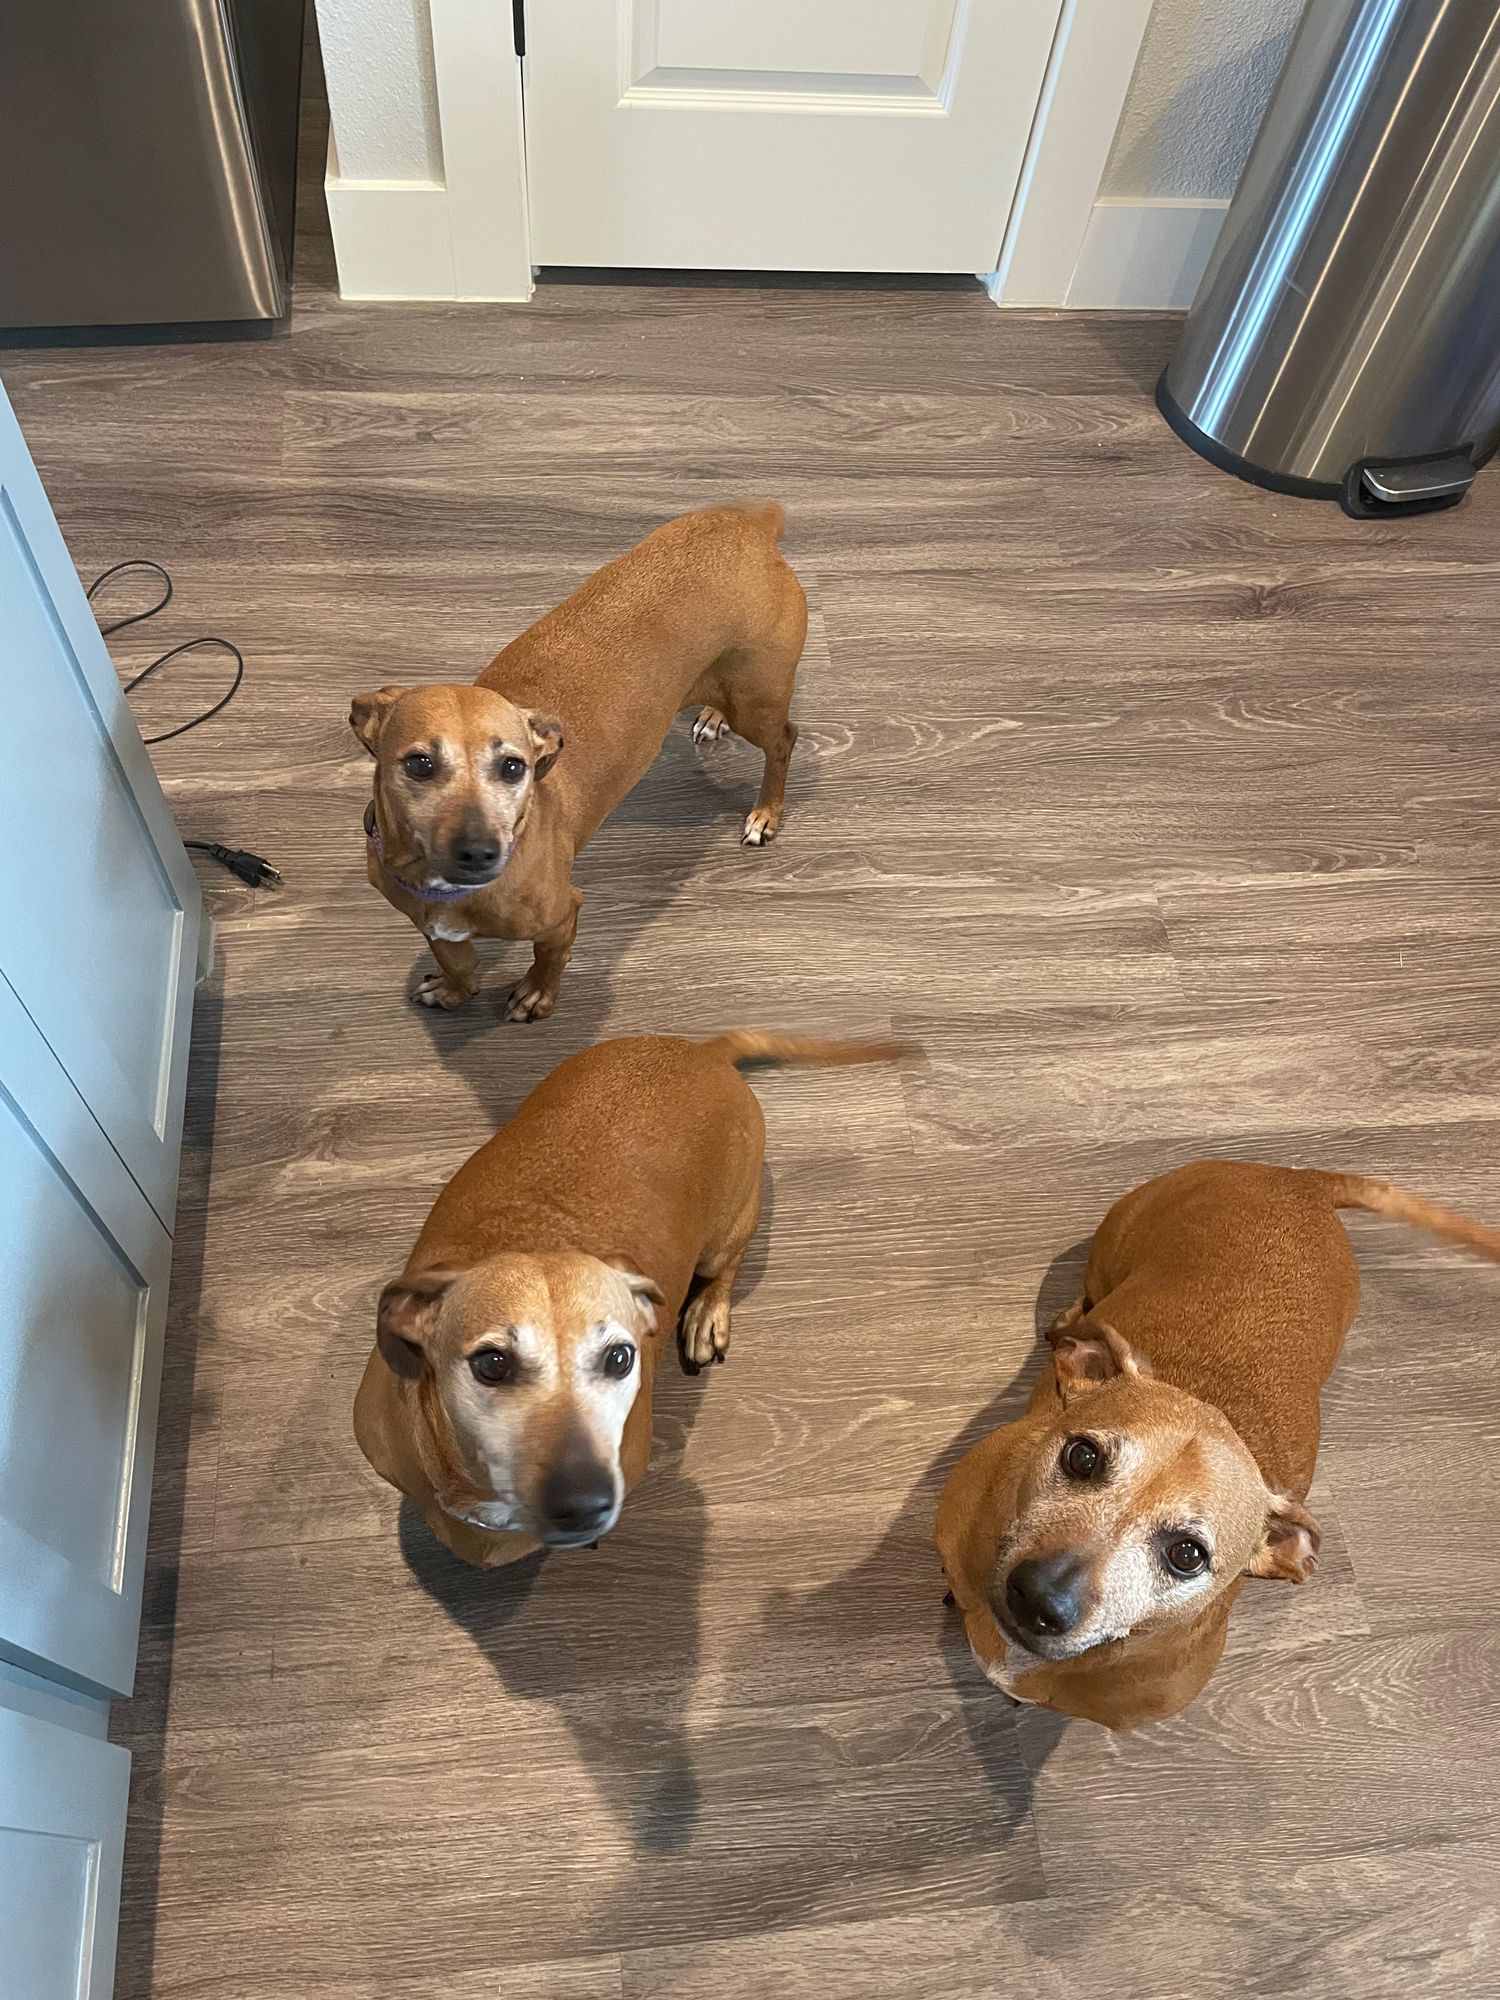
[485, 793]
[509, 1393]
[1096, 1546]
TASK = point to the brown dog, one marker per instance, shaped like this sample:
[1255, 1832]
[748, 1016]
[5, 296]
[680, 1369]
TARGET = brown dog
[472, 832]
[509, 1392]
[1096, 1546]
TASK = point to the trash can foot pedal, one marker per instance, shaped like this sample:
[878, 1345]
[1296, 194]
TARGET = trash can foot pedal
[1408, 485]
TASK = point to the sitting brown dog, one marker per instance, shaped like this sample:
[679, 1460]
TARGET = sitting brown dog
[475, 823]
[509, 1392]
[1096, 1546]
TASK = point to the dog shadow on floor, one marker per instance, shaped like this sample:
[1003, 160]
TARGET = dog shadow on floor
[681, 811]
[610, 1636]
[1010, 1743]
[141, 1723]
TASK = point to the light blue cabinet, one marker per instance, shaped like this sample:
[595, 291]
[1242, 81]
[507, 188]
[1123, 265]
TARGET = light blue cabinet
[99, 923]
[99, 906]
[62, 1832]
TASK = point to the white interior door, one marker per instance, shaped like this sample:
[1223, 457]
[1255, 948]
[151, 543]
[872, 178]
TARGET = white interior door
[811, 135]
[99, 907]
[84, 1263]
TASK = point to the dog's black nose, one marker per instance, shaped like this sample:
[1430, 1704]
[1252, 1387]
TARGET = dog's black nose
[580, 1513]
[475, 855]
[1045, 1594]
[578, 1498]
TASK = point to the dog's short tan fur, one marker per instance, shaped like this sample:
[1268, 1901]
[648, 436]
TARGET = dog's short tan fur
[1216, 1301]
[621, 1195]
[704, 611]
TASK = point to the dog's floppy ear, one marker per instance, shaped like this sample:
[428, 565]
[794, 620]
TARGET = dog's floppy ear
[367, 714]
[1087, 1353]
[979, 1501]
[406, 1316]
[1289, 1548]
[646, 1295]
[547, 738]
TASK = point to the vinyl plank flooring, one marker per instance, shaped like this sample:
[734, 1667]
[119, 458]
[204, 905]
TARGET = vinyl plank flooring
[1289, 1755]
[1160, 811]
[1400, 1925]
[489, 1978]
[807, 1811]
[1115, 1069]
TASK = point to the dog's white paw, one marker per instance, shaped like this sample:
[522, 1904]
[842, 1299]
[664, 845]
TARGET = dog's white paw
[710, 726]
[529, 1002]
[433, 990]
[705, 1331]
[761, 826]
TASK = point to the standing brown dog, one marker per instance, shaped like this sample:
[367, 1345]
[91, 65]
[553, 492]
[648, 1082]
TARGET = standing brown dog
[1096, 1546]
[509, 1392]
[472, 832]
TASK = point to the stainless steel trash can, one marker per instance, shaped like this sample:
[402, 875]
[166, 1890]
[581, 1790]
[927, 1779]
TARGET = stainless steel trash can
[1345, 342]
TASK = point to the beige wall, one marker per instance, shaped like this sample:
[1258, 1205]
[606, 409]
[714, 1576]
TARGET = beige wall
[1204, 75]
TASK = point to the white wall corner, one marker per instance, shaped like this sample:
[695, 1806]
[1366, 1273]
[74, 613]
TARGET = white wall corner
[1145, 256]
[466, 235]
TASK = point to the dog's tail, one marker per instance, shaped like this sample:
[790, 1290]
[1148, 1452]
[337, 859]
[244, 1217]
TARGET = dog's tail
[1380, 1198]
[746, 1048]
[767, 514]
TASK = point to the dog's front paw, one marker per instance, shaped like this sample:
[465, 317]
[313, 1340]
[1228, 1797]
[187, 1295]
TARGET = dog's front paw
[529, 1002]
[435, 990]
[761, 826]
[705, 1332]
[710, 726]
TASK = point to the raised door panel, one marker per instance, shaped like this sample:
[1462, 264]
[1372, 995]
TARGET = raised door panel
[63, 1797]
[889, 40]
[84, 1264]
[874, 135]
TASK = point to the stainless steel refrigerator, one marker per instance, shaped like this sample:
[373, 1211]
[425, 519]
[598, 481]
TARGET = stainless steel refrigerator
[148, 155]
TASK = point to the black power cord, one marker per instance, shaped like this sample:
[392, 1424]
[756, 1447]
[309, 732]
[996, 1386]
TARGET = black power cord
[190, 646]
[248, 867]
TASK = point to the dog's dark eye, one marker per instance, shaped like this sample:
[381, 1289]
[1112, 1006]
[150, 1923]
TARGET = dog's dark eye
[619, 1360]
[417, 764]
[1081, 1458]
[1187, 1556]
[512, 770]
[490, 1365]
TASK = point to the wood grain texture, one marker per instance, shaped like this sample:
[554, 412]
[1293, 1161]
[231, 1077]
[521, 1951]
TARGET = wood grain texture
[1163, 812]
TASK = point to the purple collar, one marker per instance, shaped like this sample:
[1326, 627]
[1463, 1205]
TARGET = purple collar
[447, 892]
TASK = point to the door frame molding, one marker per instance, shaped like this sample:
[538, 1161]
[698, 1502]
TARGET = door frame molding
[467, 236]
[1094, 54]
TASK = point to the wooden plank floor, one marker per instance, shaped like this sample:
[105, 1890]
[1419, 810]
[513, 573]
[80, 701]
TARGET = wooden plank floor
[1164, 812]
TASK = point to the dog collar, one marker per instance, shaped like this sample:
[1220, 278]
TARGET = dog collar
[447, 892]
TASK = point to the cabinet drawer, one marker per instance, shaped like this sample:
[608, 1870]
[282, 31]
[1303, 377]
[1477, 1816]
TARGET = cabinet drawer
[84, 1263]
[63, 1797]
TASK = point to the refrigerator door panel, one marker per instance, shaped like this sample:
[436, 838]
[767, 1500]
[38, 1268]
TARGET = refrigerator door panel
[129, 191]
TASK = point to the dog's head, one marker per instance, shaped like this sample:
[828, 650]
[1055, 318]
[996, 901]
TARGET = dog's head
[1117, 1505]
[456, 770]
[524, 1371]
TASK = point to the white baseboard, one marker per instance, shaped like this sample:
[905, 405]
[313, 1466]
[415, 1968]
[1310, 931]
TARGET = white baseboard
[1144, 256]
[391, 239]
[425, 240]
